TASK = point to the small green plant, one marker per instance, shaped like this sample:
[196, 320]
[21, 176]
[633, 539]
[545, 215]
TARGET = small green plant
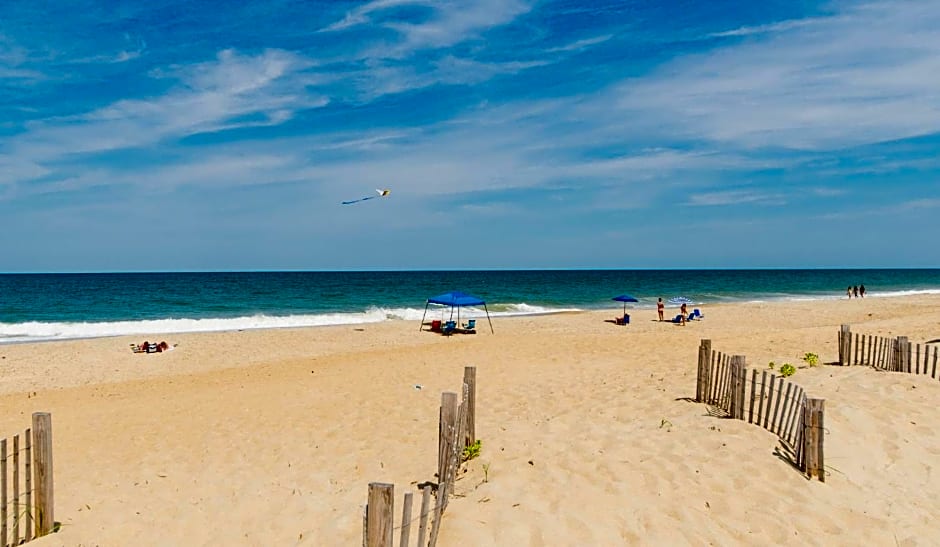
[486, 472]
[472, 451]
[771, 365]
[811, 359]
[787, 369]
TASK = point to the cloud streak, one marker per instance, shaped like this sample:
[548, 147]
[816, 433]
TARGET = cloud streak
[866, 75]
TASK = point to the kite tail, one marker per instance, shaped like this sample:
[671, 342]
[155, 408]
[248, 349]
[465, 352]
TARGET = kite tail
[358, 200]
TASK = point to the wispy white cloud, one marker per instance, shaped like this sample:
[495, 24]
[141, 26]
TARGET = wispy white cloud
[228, 92]
[917, 204]
[780, 26]
[361, 15]
[451, 22]
[581, 44]
[735, 197]
[827, 192]
[868, 74]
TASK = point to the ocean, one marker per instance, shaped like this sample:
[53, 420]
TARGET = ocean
[37, 307]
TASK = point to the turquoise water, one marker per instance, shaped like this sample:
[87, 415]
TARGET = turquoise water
[59, 306]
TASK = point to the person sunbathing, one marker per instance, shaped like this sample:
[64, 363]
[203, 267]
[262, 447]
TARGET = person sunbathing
[151, 347]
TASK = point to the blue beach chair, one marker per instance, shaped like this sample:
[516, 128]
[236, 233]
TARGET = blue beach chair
[449, 328]
[471, 324]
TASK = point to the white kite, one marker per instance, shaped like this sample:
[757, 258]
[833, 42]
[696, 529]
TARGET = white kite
[381, 194]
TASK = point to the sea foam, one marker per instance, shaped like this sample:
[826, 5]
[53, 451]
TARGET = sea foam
[35, 331]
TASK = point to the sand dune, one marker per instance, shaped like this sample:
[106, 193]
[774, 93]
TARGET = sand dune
[270, 437]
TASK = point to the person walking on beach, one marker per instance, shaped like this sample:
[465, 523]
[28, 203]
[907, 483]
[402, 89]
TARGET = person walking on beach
[684, 311]
[861, 291]
[848, 292]
[660, 307]
[855, 291]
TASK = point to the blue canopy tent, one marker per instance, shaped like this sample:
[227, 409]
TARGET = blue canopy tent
[456, 299]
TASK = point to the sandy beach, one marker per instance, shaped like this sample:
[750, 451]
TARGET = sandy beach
[271, 437]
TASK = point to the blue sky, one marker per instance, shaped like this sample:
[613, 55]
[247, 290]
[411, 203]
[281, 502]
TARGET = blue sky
[160, 135]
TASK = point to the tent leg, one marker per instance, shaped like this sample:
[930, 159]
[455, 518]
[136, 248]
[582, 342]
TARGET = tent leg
[421, 326]
[488, 318]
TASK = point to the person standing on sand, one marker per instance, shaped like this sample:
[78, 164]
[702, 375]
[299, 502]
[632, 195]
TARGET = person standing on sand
[684, 311]
[861, 291]
[855, 291]
[660, 307]
[848, 292]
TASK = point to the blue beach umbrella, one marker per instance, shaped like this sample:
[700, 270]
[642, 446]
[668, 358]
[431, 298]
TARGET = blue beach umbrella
[624, 298]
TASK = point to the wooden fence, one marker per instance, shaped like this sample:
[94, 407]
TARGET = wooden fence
[891, 354]
[26, 483]
[774, 403]
[456, 431]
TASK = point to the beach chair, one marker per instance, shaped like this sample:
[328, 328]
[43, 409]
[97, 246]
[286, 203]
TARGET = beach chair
[625, 320]
[677, 319]
[698, 314]
[471, 324]
[691, 317]
[449, 328]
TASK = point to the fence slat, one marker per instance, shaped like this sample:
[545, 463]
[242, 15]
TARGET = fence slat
[933, 373]
[791, 416]
[719, 370]
[770, 399]
[750, 412]
[786, 398]
[917, 361]
[423, 522]
[760, 406]
[855, 359]
[436, 522]
[821, 440]
[406, 519]
[27, 453]
[470, 380]
[713, 396]
[448, 418]
[3, 491]
[779, 391]
[738, 379]
[845, 351]
[16, 490]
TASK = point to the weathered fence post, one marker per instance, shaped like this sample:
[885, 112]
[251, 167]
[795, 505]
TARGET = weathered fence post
[44, 515]
[845, 344]
[380, 515]
[813, 435]
[470, 380]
